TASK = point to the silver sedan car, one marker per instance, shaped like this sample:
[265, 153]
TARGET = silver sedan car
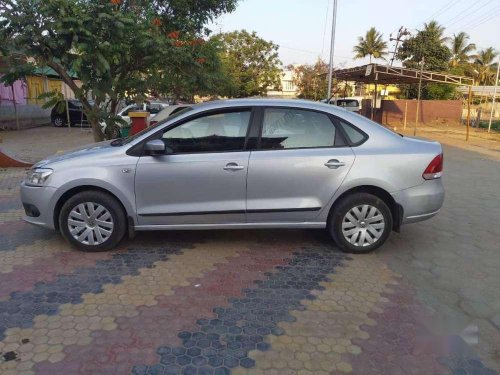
[249, 163]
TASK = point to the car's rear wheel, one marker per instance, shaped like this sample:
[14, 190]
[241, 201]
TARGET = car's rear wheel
[112, 132]
[58, 121]
[360, 223]
[92, 221]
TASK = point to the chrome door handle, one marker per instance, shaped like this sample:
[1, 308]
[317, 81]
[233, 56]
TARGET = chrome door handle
[334, 164]
[233, 167]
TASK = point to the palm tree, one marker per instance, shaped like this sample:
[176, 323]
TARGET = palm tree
[371, 45]
[434, 28]
[484, 65]
[461, 49]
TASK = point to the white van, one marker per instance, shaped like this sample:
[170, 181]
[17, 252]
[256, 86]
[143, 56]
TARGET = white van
[351, 104]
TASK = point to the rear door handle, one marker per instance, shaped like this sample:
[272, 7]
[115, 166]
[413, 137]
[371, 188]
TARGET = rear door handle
[233, 167]
[334, 164]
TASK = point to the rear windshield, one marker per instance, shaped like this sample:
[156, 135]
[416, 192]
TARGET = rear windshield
[350, 103]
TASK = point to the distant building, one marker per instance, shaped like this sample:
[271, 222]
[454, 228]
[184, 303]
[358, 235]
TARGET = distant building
[288, 87]
[20, 104]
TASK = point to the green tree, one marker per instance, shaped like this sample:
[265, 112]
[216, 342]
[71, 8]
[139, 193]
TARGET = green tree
[310, 80]
[485, 65]
[116, 47]
[206, 77]
[461, 49]
[438, 91]
[436, 30]
[251, 62]
[427, 45]
[371, 45]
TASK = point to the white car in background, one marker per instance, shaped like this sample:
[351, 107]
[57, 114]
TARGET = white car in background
[153, 108]
[167, 112]
[351, 104]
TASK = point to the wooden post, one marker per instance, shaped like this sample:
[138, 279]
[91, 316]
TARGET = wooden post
[374, 104]
[468, 113]
[406, 113]
[418, 96]
[15, 107]
[67, 114]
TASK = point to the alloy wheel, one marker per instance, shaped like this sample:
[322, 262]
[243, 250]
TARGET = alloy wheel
[90, 223]
[363, 225]
[58, 121]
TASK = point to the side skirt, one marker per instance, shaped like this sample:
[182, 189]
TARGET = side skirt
[317, 225]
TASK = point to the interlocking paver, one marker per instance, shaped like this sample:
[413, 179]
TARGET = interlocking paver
[260, 302]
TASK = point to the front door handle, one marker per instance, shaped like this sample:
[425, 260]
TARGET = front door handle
[233, 167]
[334, 164]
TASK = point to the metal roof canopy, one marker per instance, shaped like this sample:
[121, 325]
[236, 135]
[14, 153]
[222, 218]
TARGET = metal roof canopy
[385, 74]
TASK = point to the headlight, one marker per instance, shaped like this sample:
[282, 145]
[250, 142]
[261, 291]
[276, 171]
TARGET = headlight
[38, 176]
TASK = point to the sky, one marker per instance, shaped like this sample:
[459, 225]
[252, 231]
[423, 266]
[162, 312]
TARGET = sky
[302, 28]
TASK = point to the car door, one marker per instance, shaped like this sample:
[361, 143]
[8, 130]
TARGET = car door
[75, 112]
[202, 177]
[300, 162]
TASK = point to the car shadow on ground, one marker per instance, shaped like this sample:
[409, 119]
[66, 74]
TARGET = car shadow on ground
[266, 238]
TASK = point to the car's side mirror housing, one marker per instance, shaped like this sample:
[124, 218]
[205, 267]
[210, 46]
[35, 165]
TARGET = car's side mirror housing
[155, 147]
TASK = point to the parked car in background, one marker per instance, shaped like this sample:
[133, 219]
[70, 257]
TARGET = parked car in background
[249, 163]
[167, 112]
[59, 114]
[351, 104]
[153, 108]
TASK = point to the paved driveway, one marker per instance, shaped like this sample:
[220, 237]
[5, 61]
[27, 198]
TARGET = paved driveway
[275, 302]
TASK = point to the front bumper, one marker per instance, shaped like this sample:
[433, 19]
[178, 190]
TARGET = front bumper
[41, 198]
[421, 202]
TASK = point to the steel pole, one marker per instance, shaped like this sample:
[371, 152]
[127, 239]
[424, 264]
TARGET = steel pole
[406, 113]
[332, 48]
[494, 96]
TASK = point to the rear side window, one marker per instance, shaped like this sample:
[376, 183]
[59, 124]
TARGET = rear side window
[355, 136]
[288, 128]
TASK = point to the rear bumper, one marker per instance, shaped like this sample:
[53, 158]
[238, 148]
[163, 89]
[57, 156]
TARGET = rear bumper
[40, 198]
[420, 202]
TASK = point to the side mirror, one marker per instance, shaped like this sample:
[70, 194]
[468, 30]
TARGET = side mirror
[155, 147]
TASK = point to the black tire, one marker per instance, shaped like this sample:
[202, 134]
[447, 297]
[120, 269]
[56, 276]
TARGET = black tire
[338, 217]
[115, 209]
[114, 133]
[59, 121]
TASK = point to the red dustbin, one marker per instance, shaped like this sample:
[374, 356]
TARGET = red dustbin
[139, 121]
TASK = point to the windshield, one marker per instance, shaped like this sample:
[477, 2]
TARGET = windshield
[124, 141]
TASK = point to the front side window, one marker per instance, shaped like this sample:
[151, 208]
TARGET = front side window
[286, 128]
[222, 132]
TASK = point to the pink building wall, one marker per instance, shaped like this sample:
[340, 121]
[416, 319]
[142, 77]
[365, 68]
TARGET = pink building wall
[20, 93]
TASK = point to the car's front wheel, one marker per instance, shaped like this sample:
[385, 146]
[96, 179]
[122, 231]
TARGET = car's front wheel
[360, 223]
[92, 221]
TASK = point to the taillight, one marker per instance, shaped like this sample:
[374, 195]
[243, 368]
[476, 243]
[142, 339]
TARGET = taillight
[434, 169]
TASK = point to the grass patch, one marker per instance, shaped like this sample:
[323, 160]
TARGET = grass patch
[495, 125]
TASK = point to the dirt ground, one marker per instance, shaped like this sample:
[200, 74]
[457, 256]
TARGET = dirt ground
[453, 134]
